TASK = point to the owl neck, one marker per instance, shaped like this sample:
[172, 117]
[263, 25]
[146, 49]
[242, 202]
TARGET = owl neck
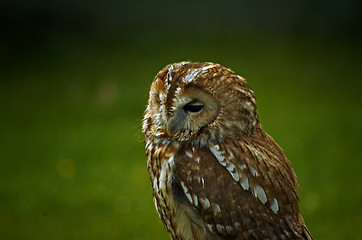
[205, 139]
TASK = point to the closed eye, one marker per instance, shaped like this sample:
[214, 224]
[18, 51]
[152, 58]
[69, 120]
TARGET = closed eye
[193, 107]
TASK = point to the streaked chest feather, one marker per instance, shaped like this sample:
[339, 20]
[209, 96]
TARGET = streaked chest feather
[172, 200]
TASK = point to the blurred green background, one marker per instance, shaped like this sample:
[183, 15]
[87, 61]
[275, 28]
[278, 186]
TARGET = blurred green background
[74, 84]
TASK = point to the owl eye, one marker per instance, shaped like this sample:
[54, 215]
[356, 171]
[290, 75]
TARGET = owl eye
[193, 107]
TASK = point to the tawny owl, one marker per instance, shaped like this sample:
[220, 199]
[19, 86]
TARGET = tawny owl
[215, 173]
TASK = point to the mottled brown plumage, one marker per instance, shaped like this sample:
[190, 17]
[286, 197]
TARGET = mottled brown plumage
[215, 173]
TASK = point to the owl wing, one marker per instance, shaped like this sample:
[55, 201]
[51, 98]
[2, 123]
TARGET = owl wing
[242, 190]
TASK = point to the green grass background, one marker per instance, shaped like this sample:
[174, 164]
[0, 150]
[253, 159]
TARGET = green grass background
[72, 162]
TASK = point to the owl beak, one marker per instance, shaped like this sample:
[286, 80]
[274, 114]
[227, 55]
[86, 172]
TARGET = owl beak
[176, 123]
[169, 128]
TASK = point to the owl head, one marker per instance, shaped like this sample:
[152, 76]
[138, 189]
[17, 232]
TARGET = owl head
[192, 101]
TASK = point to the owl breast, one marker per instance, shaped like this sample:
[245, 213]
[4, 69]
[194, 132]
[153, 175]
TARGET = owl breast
[170, 196]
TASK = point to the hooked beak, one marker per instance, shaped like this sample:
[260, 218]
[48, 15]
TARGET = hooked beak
[176, 123]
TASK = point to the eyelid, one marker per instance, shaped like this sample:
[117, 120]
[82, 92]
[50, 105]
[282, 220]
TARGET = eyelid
[193, 107]
[195, 103]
